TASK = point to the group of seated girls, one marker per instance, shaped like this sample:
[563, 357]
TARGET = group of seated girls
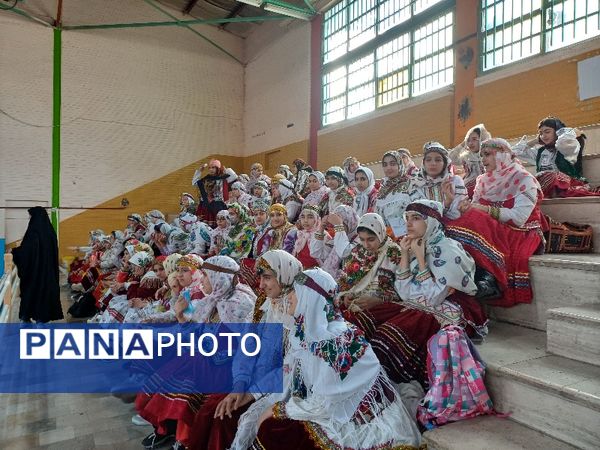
[379, 286]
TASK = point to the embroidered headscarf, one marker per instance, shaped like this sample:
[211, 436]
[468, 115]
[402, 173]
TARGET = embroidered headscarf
[361, 201]
[242, 220]
[508, 179]
[141, 259]
[449, 263]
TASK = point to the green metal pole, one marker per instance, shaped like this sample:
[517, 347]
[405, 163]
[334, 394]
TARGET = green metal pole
[56, 108]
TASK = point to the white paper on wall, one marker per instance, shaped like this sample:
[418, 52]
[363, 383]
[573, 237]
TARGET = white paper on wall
[588, 75]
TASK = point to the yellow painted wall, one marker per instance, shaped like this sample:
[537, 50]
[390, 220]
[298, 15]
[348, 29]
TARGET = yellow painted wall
[409, 128]
[513, 106]
[273, 158]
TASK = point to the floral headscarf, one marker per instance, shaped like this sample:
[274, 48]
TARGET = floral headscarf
[225, 215]
[170, 263]
[243, 218]
[508, 179]
[284, 265]
[141, 259]
[350, 218]
[222, 273]
[338, 172]
[314, 198]
[178, 240]
[449, 263]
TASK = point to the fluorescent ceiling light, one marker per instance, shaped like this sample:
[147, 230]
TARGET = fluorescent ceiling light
[298, 14]
[257, 3]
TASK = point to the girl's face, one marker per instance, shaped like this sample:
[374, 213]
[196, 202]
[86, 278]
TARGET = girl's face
[126, 256]
[313, 183]
[207, 287]
[488, 159]
[184, 276]
[369, 241]
[257, 191]
[221, 222]
[257, 171]
[405, 160]
[233, 216]
[390, 166]
[212, 169]
[235, 193]
[131, 223]
[434, 164]
[277, 219]
[416, 225]
[332, 182]
[159, 270]
[547, 135]
[260, 217]
[137, 270]
[292, 303]
[269, 284]
[185, 201]
[473, 142]
[361, 181]
[352, 167]
[275, 191]
[308, 221]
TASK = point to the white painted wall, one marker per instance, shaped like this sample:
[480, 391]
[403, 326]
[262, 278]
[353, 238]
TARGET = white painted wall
[137, 104]
[25, 118]
[277, 81]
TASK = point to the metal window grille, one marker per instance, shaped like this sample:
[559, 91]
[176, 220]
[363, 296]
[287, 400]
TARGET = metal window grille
[378, 52]
[512, 30]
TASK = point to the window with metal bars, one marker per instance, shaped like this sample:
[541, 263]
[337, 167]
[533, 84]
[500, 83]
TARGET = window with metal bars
[378, 52]
[512, 30]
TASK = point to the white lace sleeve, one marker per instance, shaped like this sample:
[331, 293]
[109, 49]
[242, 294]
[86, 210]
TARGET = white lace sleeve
[524, 152]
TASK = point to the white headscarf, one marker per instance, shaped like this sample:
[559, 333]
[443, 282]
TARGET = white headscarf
[303, 236]
[361, 201]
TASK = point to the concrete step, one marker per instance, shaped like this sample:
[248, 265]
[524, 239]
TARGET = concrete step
[490, 432]
[558, 280]
[574, 332]
[557, 396]
[582, 210]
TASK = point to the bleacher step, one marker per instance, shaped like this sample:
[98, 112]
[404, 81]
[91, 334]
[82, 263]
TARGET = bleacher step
[557, 396]
[490, 432]
[581, 210]
[558, 280]
[574, 332]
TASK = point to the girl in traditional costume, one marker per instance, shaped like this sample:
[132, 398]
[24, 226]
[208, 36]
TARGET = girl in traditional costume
[502, 227]
[466, 157]
[336, 394]
[435, 180]
[557, 152]
[310, 222]
[394, 195]
[339, 193]
[318, 189]
[239, 240]
[366, 192]
[213, 181]
[282, 234]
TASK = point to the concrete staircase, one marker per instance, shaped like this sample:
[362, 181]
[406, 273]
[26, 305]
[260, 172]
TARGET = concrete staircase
[544, 358]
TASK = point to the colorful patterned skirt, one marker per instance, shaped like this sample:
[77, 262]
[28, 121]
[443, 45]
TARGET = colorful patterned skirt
[558, 184]
[502, 250]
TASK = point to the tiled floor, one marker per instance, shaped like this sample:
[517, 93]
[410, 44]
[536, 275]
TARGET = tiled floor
[67, 421]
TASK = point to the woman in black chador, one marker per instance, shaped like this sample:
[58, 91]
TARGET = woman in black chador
[37, 263]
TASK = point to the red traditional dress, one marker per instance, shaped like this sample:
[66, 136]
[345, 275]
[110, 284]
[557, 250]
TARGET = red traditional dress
[502, 240]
